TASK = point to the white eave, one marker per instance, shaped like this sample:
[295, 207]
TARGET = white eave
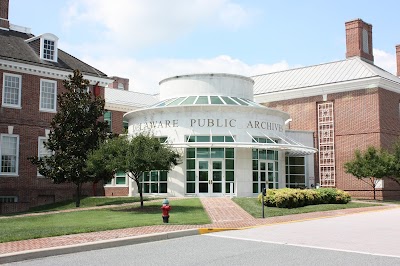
[49, 72]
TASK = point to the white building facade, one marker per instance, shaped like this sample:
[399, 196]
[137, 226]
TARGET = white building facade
[230, 145]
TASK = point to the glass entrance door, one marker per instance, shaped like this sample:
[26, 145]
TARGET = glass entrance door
[211, 179]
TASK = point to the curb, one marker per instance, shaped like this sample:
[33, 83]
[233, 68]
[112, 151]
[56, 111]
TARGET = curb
[41, 253]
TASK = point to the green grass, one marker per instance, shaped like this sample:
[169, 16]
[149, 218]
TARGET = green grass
[253, 207]
[85, 202]
[185, 211]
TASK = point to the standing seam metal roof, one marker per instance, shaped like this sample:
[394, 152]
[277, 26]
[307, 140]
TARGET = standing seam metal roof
[345, 70]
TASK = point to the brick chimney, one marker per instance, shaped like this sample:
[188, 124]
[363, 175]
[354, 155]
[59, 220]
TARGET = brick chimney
[398, 59]
[4, 23]
[359, 40]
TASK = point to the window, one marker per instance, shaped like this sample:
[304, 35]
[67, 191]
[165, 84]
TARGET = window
[120, 86]
[154, 182]
[295, 172]
[8, 199]
[48, 49]
[48, 95]
[108, 119]
[11, 90]
[120, 178]
[365, 47]
[9, 145]
[42, 150]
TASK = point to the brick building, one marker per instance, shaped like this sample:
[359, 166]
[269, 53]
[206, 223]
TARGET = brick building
[31, 72]
[349, 104]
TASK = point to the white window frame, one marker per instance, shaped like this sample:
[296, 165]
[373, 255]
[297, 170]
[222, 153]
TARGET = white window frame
[40, 155]
[49, 37]
[17, 155]
[4, 91]
[55, 96]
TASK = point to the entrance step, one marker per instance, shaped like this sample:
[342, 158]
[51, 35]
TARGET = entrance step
[224, 210]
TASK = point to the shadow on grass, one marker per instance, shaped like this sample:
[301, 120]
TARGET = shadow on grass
[157, 209]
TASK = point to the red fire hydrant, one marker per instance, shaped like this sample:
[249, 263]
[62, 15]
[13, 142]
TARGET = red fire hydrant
[165, 210]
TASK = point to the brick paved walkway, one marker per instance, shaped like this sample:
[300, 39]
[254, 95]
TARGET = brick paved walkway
[223, 212]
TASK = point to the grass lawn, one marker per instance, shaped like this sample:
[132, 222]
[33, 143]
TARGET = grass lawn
[252, 206]
[86, 202]
[185, 211]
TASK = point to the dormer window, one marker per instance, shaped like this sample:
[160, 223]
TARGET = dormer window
[48, 49]
[45, 45]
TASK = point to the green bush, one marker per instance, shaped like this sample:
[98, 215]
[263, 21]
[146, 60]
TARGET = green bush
[294, 198]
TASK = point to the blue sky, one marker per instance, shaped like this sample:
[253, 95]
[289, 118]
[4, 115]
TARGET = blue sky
[149, 40]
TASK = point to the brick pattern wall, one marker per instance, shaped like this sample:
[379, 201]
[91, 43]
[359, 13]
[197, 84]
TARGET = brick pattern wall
[29, 123]
[4, 6]
[117, 119]
[398, 59]
[354, 39]
[116, 191]
[362, 118]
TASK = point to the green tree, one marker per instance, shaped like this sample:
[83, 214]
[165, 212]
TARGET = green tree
[395, 163]
[139, 154]
[369, 165]
[75, 132]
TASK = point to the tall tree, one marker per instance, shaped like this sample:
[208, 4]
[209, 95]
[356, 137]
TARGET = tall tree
[139, 154]
[369, 165]
[75, 132]
[395, 163]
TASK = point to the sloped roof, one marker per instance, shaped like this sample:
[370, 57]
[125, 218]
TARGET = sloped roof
[129, 98]
[351, 69]
[14, 48]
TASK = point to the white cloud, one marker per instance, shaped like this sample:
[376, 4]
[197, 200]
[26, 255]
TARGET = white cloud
[138, 23]
[385, 60]
[144, 76]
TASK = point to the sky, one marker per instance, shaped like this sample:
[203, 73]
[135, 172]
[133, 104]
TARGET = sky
[150, 40]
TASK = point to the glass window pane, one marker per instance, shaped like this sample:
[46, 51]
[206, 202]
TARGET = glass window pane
[203, 165]
[163, 188]
[163, 175]
[203, 175]
[262, 166]
[190, 176]
[262, 140]
[262, 176]
[230, 175]
[270, 177]
[217, 138]
[203, 138]
[154, 176]
[202, 100]
[262, 154]
[229, 153]
[276, 155]
[217, 187]
[176, 101]
[191, 139]
[240, 101]
[190, 153]
[120, 180]
[255, 176]
[228, 100]
[217, 152]
[146, 176]
[190, 164]
[146, 188]
[215, 100]
[154, 187]
[255, 187]
[230, 164]
[270, 166]
[203, 153]
[270, 155]
[203, 188]
[217, 165]
[189, 100]
[255, 154]
[228, 139]
[255, 164]
[190, 187]
[296, 160]
[296, 170]
[228, 187]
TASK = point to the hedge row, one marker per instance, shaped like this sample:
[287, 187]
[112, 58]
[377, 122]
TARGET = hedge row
[293, 198]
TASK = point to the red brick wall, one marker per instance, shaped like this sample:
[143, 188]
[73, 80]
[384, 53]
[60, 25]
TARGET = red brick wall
[362, 118]
[4, 6]
[354, 39]
[117, 118]
[29, 123]
[116, 191]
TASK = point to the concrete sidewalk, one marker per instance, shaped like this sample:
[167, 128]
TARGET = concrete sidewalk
[224, 213]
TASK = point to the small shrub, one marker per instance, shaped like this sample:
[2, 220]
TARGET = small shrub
[294, 198]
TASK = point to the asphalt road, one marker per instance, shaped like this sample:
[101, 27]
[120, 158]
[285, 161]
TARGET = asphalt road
[359, 239]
